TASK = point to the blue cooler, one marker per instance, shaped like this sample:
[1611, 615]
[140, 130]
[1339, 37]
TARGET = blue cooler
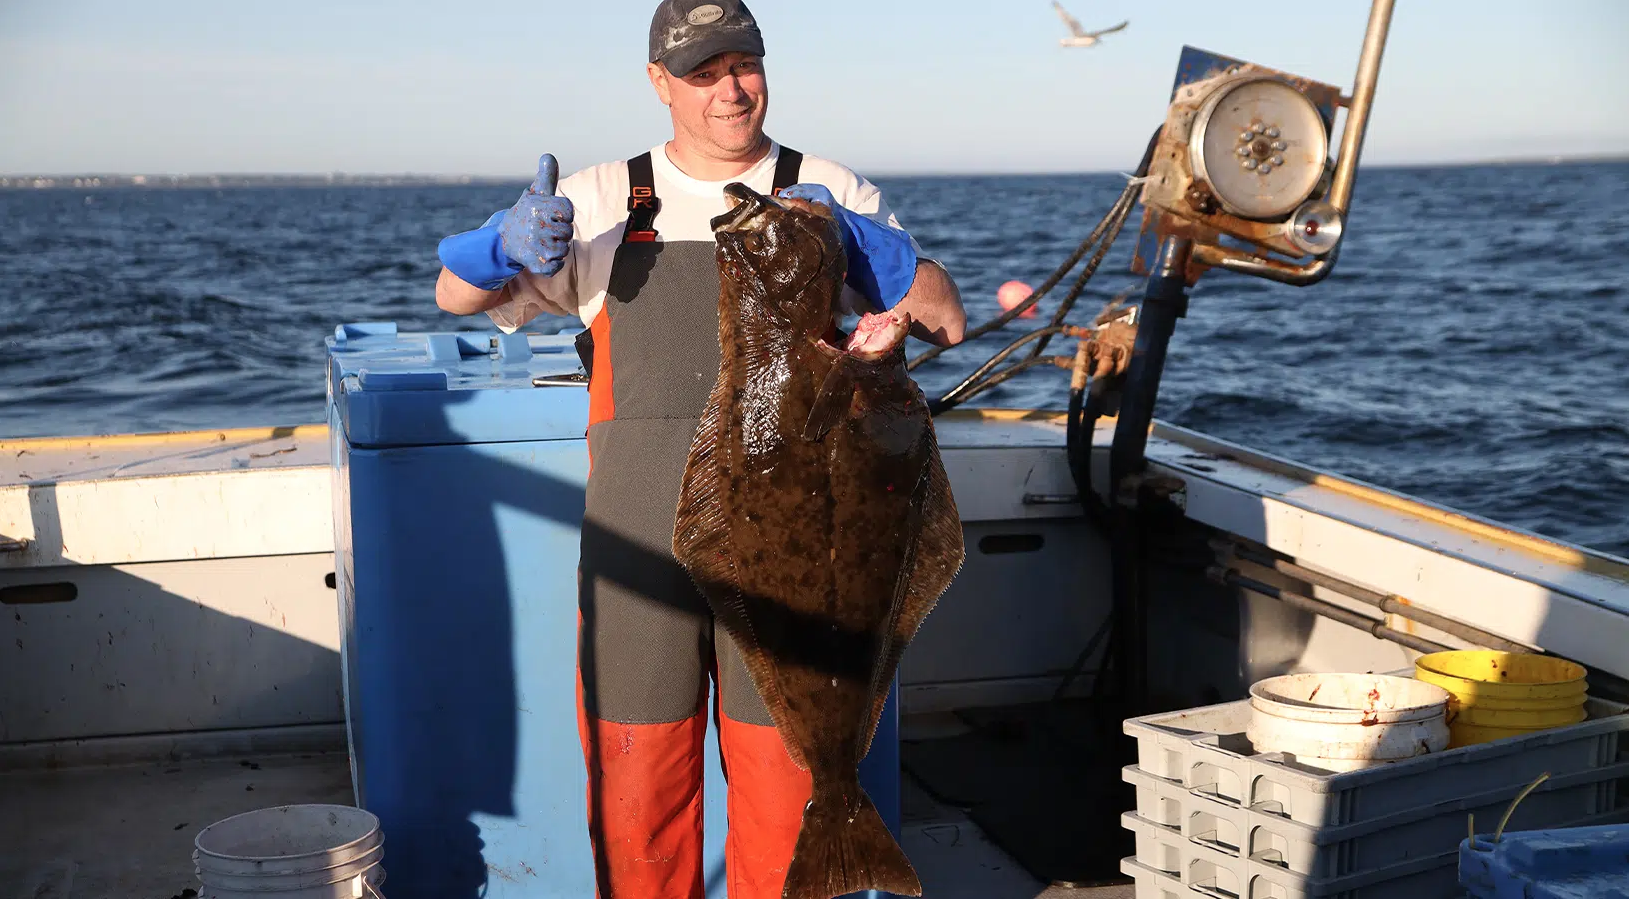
[460, 464]
[1566, 863]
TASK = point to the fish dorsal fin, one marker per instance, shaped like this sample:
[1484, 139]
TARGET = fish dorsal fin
[832, 403]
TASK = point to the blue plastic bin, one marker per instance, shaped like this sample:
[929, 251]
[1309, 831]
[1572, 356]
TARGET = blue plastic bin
[458, 501]
[1570, 863]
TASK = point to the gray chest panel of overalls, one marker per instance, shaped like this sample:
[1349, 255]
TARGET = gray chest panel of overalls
[662, 302]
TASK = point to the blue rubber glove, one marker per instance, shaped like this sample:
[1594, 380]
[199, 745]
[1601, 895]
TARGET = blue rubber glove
[881, 260]
[533, 235]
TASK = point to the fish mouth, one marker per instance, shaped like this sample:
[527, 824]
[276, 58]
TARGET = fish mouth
[748, 211]
[878, 335]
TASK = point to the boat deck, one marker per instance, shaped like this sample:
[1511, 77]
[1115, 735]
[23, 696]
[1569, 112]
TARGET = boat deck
[126, 831]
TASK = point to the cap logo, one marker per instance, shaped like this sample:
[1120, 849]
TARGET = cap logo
[705, 15]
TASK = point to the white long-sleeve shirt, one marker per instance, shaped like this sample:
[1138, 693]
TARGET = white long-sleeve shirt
[599, 197]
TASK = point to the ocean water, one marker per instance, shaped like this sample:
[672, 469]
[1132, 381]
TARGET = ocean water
[1471, 347]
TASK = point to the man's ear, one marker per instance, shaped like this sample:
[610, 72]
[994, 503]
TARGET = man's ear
[659, 80]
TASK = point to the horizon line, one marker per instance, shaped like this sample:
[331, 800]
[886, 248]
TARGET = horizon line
[135, 179]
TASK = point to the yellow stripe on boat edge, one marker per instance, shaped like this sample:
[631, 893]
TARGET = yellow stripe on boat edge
[965, 414]
[166, 438]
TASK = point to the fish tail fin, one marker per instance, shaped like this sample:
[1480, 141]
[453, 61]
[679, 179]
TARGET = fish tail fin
[844, 847]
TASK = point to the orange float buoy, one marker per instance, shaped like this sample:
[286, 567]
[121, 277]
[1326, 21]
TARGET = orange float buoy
[1011, 294]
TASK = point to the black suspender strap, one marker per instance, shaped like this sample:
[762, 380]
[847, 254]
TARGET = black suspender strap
[786, 169]
[643, 203]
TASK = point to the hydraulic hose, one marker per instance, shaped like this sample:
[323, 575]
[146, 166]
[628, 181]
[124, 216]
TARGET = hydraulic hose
[1085, 408]
[1164, 301]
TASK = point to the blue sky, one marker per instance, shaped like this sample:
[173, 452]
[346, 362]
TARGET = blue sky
[887, 86]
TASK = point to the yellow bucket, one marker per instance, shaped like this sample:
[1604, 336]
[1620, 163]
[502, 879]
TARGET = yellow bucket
[1469, 734]
[1522, 719]
[1504, 694]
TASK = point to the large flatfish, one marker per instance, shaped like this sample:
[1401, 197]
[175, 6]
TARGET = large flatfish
[816, 518]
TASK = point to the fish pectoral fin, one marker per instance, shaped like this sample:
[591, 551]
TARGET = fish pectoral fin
[831, 404]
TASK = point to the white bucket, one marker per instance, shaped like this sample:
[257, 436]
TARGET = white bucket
[1343, 722]
[293, 852]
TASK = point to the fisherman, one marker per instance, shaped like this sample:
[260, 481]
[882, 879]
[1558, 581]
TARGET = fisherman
[627, 247]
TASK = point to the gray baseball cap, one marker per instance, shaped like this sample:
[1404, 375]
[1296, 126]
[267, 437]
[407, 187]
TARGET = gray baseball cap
[686, 33]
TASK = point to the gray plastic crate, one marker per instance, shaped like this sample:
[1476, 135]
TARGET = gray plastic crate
[1330, 852]
[1206, 751]
[1190, 869]
[1169, 866]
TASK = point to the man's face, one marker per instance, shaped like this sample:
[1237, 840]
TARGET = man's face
[720, 106]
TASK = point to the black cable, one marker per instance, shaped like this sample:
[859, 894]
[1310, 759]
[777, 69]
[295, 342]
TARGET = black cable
[953, 394]
[1079, 664]
[937, 406]
[1127, 197]
[1115, 220]
[1085, 408]
[1086, 274]
[1029, 301]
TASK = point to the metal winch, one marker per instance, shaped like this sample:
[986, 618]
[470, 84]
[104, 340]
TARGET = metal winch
[1242, 171]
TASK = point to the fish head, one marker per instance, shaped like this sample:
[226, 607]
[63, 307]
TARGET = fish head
[786, 253]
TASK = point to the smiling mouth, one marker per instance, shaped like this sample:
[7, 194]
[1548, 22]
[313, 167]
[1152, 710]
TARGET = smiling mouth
[734, 117]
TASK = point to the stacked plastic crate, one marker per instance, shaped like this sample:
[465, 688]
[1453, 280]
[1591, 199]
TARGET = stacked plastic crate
[1214, 818]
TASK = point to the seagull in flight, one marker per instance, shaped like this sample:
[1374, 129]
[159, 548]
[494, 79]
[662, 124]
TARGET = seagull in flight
[1081, 37]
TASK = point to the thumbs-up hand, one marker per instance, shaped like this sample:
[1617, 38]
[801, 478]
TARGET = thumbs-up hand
[536, 231]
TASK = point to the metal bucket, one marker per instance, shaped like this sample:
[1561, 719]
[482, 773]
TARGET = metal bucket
[292, 852]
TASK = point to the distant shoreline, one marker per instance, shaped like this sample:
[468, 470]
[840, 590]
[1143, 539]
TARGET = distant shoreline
[84, 181]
